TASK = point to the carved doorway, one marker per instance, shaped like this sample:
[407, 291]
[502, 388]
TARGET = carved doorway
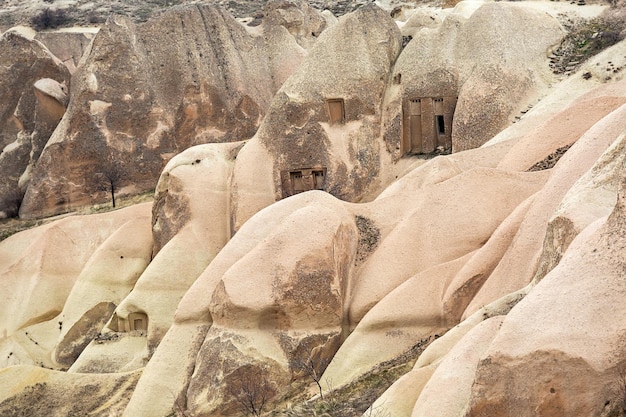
[427, 124]
[415, 126]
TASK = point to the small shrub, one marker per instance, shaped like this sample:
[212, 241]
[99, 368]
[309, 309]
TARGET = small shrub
[50, 19]
[94, 17]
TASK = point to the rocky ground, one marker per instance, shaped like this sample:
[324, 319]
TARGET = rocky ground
[64, 13]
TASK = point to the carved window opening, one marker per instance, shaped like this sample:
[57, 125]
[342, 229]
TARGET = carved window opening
[136, 322]
[301, 180]
[336, 110]
[427, 124]
[441, 125]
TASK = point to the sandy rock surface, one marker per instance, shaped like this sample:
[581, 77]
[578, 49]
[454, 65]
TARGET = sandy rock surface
[306, 242]
[34, 90]
[179, 86]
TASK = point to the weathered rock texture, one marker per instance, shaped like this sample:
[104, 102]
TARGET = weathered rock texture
[587, 340]
[89, 260]
[45, 393]
[33, 86]
[146, 92]
[517, 272]
[303, 131]
[481, 59]
[68, 45]
[191, 183]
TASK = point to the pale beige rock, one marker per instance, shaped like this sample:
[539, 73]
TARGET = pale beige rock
[563, 129]
[40, 266]
[399, 399]
[393, 263]
[475, 54]
[444, 221]
[250, 250]
[468, 281]
[436, 351]
[104, 282]
[519, 264]
[408, 315]
[508, 73]
[58, 300]
[433, 171]
[54, 90]
[38, 392]
[561, 346]
[297, 305]
[194, 307]
[193, 184]
[166, 377]
[302, 21]
[455, 373]
[418, 266]
[298, 133]
[593, 196]
[562, 95]
[425, 17]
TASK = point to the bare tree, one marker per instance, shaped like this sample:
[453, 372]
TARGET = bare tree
[251, 389]
[310, 361]
[378, 411]
[109, 176]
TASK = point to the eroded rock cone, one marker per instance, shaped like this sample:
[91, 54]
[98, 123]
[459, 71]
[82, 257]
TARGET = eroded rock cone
[34, 96]
[146, 92]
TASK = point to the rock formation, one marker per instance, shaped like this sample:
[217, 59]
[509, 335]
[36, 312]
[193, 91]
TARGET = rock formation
[34, 96]
[68, 45]
[146, 92]
[318, 256]
[478, 62]
[324, 123]
[76, 259]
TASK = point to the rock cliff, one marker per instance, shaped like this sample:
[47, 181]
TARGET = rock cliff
[34, 96]
[148, 91]
[315, 257]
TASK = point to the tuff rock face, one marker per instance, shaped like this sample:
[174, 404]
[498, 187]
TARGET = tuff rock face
[503, 264]
[68, 45]
[146, 92]
[479, 59]
[326, 117]
[34, 96]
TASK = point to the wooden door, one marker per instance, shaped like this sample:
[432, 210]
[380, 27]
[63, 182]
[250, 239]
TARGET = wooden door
[415, 126]
[415, 129]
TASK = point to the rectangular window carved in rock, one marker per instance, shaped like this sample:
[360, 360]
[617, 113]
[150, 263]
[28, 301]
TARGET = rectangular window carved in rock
[336, 110]
[441, 125]
[138, 321]
[301, 180]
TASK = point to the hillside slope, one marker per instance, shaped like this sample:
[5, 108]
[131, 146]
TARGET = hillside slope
[335, 259]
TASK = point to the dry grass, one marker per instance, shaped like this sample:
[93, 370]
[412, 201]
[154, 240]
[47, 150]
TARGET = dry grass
[11, 226]
[356, 398]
